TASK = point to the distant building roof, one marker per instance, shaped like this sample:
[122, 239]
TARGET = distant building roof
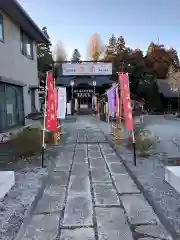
[18, 15]
[165, 88]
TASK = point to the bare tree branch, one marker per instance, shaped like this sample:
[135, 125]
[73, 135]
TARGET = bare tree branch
[176, 142]
[174, 78]
[59, 53]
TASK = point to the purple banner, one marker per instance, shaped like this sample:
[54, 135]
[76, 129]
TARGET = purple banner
[92, 102]
[111, 101]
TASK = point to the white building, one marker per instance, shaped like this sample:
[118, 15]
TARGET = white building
[18, 64]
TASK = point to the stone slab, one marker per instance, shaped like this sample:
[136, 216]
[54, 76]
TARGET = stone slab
[172, 176]
[94, 154]
[106, 148]
[117, 168]
[78, 234]
[65, 158]
[111, 158]
[93, 147]
[80, 169]
[80, 154]
[97, 163]
[61, 167]
[100, 175]
[149, 238]
[42, 227]
[78, 211]
[138, 209]
[157, 231]
[105, 194]
[59, 163]
[125, 184]
[51, 201]
[112, 224]
[79, 184]
[7, 181]
[59, 178]
[80, 159]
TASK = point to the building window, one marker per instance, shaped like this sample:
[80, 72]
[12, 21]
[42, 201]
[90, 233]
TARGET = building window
[14, 105]
[11, 106]
[1, 28]
[26, 45]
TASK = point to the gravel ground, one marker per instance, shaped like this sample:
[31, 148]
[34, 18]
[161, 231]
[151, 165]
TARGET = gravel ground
[15, 204]
[29, 179]
[149, 173]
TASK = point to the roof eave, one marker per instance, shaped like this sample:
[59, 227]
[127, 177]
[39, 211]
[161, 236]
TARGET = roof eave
[17, 14]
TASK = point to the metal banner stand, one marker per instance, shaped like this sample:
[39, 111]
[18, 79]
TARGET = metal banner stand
[44, 125]
[134, 148]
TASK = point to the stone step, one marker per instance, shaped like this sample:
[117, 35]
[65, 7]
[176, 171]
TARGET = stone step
[7, 181]
[172, 176]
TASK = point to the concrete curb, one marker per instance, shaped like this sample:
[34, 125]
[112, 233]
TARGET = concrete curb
[40, 191]
[146, 194]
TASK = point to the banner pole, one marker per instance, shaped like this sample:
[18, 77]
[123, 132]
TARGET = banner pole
[44, 125]
[134, 148]
[55, 133]
[117, 112]
[120, 112]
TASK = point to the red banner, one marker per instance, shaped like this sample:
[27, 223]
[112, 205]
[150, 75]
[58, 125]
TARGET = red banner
[51, 110]
[125, 94]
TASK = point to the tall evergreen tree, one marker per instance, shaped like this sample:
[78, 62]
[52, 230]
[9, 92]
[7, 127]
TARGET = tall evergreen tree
[120, 44]
[44, 54]
[122, 54]
[76, 57]
[111, 47]
[44, 59]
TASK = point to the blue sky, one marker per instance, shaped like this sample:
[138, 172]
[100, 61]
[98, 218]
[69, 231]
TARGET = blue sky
[138, 21]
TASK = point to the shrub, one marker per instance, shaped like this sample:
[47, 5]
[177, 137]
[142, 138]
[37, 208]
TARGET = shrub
[145, 141]
[28, 142]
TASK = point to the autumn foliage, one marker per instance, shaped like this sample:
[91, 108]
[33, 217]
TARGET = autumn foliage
[95, 47]
[155, 61]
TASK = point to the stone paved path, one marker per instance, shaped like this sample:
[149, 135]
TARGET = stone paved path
[90, 196]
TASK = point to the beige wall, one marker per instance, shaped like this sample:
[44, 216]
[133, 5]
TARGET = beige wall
[16, 66]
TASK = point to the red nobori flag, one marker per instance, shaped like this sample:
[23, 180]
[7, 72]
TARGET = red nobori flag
[124, 84]
[51, 111]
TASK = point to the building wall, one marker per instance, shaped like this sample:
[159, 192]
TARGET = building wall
[16, 66]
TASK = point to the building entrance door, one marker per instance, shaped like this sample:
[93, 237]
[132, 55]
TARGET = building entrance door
[83, 103]
[84, 98]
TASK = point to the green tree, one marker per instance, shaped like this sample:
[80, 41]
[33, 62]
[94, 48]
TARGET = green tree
[122, 55]
[76, 57]
[160, 60]
[120, 44]
[44, 59]
[110, 53]
[111, 47]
